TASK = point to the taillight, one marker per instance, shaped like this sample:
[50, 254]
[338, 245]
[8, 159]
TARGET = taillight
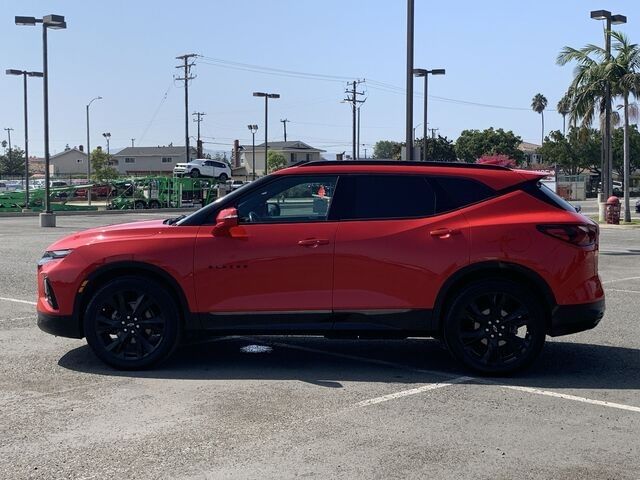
[584, 235]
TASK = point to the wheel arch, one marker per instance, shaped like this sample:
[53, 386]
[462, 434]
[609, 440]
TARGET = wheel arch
[107, 272]
[492, 269]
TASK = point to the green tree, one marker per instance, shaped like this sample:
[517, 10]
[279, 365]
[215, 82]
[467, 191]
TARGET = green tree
[439, 149]
[12, 163]
[102, 171]
[538, 104]
[574, 153]
[564, 108]
[598, 71]
[473, 144]
[633, 139]
[387, 149]
[276, 161]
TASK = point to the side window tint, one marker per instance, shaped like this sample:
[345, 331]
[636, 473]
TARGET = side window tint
[387, 196]
[289, 199]
[457, 192]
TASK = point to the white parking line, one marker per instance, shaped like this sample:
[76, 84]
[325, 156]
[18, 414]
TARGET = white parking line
[620, 280]
[17, 300]
[448, 382]
[16, 319]
[624, 291]
[412, 391]
[574, 398]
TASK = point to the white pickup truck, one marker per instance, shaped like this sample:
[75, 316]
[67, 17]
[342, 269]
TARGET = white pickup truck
[203, 167]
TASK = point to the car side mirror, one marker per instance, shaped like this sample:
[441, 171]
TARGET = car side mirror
[225, 221]
[578, 208]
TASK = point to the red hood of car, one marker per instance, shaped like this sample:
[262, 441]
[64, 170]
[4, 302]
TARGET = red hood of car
[133, 229]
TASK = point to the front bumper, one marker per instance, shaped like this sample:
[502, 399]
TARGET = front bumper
[60, 325]
[567, 319]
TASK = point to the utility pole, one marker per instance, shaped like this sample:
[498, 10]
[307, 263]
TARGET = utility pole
[409, 78]
[132, 142]
[186, 65]
[353, 100]
[198, 119]
[284, 124]
[358, 139]
[9, 130]
[433, 133]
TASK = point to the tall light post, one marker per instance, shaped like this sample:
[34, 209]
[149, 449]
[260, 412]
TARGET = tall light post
[253, 129]
[55, 22]
[89, 151]
[107, 137]
[607, 181]
[421, 72]
[9, 130]
[25, 74]
[266, 96]
[409, 74]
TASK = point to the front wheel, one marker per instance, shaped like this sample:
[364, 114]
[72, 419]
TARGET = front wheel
[495, 327]
[132, 323]
[195, 173]
[223, 177]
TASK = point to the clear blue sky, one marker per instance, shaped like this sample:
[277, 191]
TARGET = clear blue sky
[495, 52]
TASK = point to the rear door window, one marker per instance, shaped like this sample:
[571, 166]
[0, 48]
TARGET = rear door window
[373, 197]
[457, 192]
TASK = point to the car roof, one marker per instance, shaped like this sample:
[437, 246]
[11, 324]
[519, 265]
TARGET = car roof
[494, 176]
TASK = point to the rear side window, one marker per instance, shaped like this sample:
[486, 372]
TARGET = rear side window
[457, 192]
[370, 197]
[544, 193]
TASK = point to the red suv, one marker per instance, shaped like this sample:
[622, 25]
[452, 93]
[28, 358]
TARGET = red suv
[484, 257]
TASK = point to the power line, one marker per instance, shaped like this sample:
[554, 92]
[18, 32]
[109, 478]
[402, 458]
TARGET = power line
[186, 65]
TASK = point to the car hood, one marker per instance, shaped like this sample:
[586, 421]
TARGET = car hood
[125, 230]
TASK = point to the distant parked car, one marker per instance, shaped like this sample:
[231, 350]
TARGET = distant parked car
[236, 184]
[638, 206]
[204, 168]
[3, 187]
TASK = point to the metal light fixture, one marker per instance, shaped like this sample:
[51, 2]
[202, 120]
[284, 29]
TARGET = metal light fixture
[266, 96]
[422, 72]
[56, 22]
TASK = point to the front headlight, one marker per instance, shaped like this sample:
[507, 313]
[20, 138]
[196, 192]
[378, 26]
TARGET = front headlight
[51, 255]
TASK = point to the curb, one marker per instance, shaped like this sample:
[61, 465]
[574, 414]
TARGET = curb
[159, 211]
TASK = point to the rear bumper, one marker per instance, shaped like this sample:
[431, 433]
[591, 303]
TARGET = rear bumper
[567, 319]
[60, 326]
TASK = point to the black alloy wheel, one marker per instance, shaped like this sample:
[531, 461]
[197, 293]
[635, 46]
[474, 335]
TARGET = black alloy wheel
[195, 173]
[223, 177]
[132, 323]
[495, 327]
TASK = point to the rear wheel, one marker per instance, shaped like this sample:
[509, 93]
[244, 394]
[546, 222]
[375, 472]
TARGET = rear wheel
[132, 323]
[139, 205]
[223, 177]
[153, 204]
[495, 327]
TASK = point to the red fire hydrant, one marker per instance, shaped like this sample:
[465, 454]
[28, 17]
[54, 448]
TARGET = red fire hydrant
[612, 210]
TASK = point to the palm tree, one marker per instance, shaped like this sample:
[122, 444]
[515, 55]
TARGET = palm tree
[538, 104]
[596, 69]
[564, 107]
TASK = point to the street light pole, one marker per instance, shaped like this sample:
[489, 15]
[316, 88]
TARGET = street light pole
[89, 152]
[607, 170]
[409, 74]
[9, 130]
[266, 96]
[253, 129]
[107, 136]
[57, 22]
[421, 72]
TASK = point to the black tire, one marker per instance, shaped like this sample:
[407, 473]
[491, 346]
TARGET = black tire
[195, 173]
[139, 205]
[154, 204]
[132, 323]
[495, 327]
[223, 177]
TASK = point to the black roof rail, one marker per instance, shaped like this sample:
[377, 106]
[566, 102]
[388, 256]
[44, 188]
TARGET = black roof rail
[399, 163]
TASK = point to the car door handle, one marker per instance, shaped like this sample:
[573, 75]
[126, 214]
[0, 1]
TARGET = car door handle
[444, 232]
[313, 242]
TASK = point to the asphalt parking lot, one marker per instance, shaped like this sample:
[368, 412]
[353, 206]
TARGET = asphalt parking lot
[259, 407]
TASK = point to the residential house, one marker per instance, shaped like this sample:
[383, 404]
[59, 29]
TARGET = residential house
[71, 161]
[294, 151]
[149, 160]
[531, 155]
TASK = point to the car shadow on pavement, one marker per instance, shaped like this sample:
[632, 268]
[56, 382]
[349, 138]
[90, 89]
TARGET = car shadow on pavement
[327, 363]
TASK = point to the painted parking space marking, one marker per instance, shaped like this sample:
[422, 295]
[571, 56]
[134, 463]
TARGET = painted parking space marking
[620, 280]
[16, 319]
[574, 398]
[411, 391]
[448, 382]
[624, 291]
[17, 300]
